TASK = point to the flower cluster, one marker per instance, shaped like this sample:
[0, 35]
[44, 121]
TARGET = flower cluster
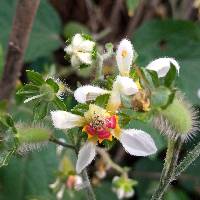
[102, 124]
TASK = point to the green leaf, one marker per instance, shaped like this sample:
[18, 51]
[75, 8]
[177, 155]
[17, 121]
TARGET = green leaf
[28, 90]
[45, 35]
[102, 100]
[80, 109]
[35, 77]
[59, 104]
[175, 194]
[176, 39]
[29, 175]
[71, 28]
[160, 97]
[53, 84]
[171, 76]
[40, 110]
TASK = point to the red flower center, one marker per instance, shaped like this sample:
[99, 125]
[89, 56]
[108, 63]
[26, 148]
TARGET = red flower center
[101, 128]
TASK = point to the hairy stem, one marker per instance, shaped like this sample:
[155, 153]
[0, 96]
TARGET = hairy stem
[88, 188]
[187, 161]
[167, 175]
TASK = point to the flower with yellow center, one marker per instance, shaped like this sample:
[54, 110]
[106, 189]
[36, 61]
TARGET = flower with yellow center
[100, 125]
[123, 85]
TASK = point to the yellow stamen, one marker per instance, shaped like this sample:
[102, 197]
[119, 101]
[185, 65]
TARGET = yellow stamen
[124, 53]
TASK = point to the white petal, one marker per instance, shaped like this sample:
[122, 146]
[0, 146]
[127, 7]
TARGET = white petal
[114, 101]
[68, 49]
[77, 40]
[85, 58]
[162, 66]
[60, 193]
[86, 46]
[120, 193]
[129, 194]
[126, 85]
[137, 142]
[75, 61]
[88, 93]
[124, 56]
[66, 120]
[85, 156]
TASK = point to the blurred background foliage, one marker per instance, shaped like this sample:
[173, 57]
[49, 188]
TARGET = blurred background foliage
[157, 28]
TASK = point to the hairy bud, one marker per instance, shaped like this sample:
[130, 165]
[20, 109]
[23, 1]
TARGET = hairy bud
[179, 118]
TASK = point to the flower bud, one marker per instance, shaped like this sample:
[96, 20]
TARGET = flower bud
[49, 93]
[81, 50]
[179, 118]
[32, 135]
[123, 187]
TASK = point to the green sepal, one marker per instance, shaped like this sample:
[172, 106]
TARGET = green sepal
[170, 76]
[160, 97]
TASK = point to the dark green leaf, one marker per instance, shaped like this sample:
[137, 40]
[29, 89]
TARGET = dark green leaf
[28, 90]
[35, 78]
[171, 76]
[80, 109]
[53, 84]
[102, 100]
[176, 39]
[45, 35]
[40, 110]
[59, 104]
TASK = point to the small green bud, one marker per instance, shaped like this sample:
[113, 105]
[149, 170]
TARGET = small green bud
[48, 91]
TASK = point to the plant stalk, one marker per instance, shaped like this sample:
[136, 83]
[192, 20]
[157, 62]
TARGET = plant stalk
[168, 171]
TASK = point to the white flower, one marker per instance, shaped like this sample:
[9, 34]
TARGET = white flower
[80, 50]
[100, 125]
[122, 85]
[162, 66]
[123, 187]
[124, 57]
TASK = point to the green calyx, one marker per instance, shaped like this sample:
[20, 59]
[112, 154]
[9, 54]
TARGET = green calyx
[48, 91]
[32, 135]
[179, 116]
